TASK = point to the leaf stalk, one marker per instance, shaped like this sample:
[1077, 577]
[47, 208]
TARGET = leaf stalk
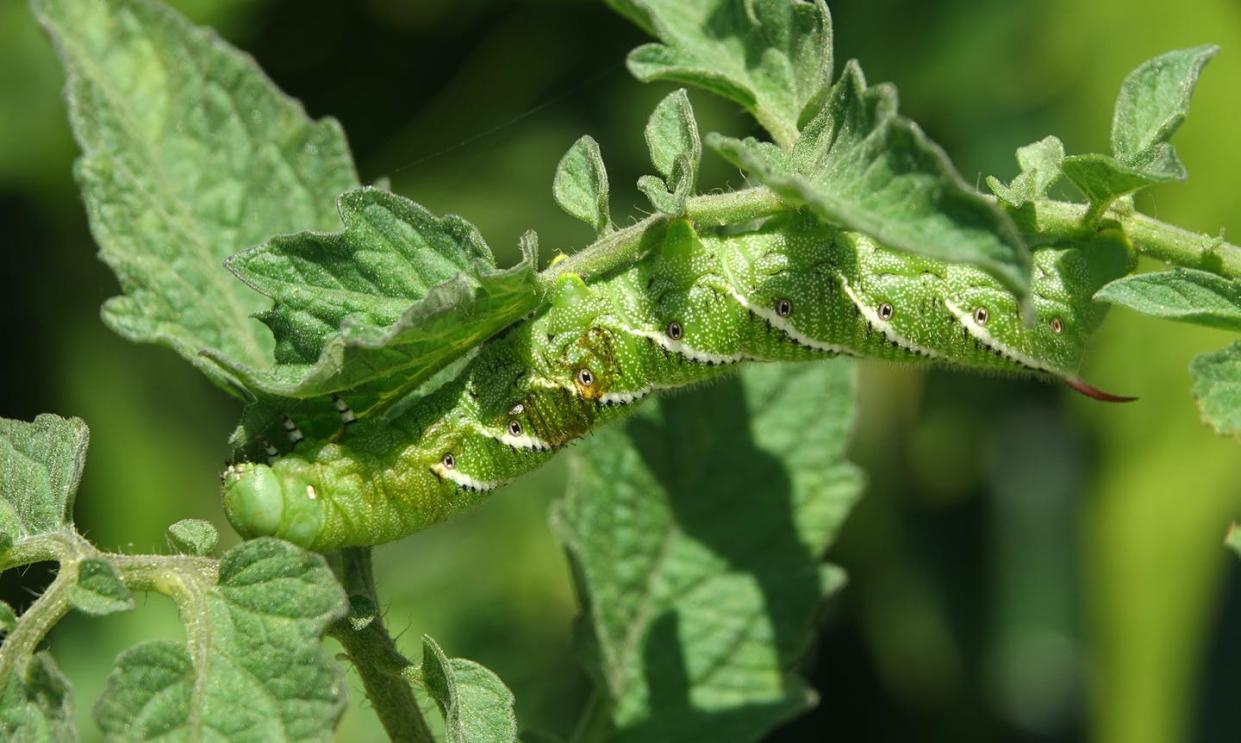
[1050, 221]
[1045, 222]
[371, 650]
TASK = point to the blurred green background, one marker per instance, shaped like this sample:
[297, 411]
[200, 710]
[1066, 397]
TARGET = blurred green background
[1026, 564]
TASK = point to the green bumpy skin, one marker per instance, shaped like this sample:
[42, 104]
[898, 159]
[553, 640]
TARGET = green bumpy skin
[695, 306]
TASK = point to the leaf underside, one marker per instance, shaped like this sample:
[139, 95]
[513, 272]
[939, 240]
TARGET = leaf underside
[773, 57]
[476, 705]
[702, 579]
[189, 154]
[384, 303]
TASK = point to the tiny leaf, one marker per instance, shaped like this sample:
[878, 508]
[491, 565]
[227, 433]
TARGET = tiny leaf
[37, 705]
[477, 706]
[193, 536]
[1102, 179]
[1154, 101]
[676, 150]
[701, 581]
[1152, 105]
[656, 192]
[672, 133]
[8, 618]
[861, 166]
[40, 466]
[1040, 169]
[189, 154]
[252, 666]
[1184, 294]
[389, 301]
[774, 57]
[1217, 385]
[581, 185]
[99, 589]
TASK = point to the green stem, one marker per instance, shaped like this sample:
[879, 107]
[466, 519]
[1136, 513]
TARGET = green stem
[375, 656]
[622, 247]
[33, 625]
[1055, 220]
[161, 573]
[1046, 222]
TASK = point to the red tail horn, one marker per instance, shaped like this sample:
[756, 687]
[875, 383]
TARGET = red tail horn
[1096, 394]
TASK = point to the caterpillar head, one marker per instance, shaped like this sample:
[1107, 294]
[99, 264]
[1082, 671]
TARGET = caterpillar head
[259, 503]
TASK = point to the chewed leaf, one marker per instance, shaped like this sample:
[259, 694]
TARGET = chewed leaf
[581, 185]
[1217, 385]
[1184, 294]
[389, 301]
[40, 467]
[189, 154]
[861, 166]
[774, 57]
[476, 705]
[252, 666]
[699, 610]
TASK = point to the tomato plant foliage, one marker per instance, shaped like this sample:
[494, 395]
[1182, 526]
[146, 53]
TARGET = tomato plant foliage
[244, 242]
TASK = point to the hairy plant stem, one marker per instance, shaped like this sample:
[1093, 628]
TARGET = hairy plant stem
[1043, 222]
[1149, 236]
[160, 573]
[384, 671]
[622, 247]
[33, 626]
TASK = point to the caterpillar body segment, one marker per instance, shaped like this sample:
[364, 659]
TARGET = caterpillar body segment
[692, 309]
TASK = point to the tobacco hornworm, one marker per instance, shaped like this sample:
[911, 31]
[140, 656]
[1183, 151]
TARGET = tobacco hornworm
[791, 289]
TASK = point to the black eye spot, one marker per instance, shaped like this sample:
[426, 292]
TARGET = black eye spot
[1057, 326]
[585, 377]
[886, 311]
[784, 307]
[675, 331]
[981, 316]
[449, 462]
[514, 427]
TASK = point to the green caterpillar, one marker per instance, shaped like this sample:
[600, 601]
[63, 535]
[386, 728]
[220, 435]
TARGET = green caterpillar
[694, 306]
